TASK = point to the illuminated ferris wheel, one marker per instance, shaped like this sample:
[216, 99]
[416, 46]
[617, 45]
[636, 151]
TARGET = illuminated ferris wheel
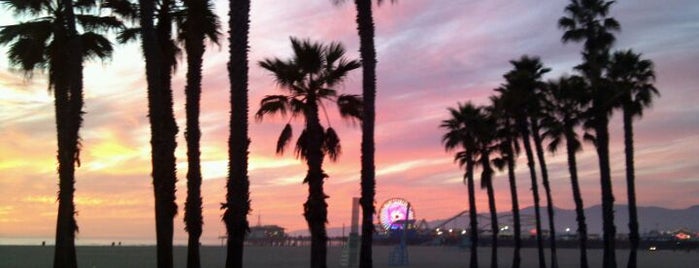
[393, 213]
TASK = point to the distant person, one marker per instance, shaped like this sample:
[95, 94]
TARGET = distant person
[43, 243]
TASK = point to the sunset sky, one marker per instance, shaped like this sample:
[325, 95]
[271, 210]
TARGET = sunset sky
[431, 54]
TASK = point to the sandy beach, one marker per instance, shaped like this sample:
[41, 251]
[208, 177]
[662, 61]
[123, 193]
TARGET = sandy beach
[214, 256]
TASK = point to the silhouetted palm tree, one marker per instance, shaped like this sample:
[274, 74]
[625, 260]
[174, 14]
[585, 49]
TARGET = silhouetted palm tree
[587, 21]
[309, 78]
[461, 133]
[197, 23]
[508, 149]
[365, 28]
[237, 206]
[51, 41]
[633, 78]
[565, 102]
[157, 48]
[518, 95]
[487, 145]
[535, 115]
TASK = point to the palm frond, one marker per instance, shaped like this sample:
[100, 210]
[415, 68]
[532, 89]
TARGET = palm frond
[28, 54]
[212, 25]
[297, 107]
[351, 107]
[308, 56]
[284, 139]
[85, 5]
[99, 23]
[272, 104]
[590, 138]
[500, 163]
[286, 73]
[128, 35]
[555, 141]
[338, 74]
[123, 8]
[333, 52]
[198, 19]
[302, 142]
[40, 30]
[31, 7]
[326, 93]
[95, 46]
[331, 144]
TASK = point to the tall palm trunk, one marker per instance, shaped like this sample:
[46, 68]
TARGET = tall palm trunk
[487, 179]
[162, 141]
[602, 146]
[547, 189]
[69, 103]
[238, 186]
[315, 208]
[365, 27]
[516, 256]
[524, 130]
[631, 187]
[472, 212]
[194, 45]
[577, 196]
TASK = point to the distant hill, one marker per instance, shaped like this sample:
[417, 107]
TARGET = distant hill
[650, 218]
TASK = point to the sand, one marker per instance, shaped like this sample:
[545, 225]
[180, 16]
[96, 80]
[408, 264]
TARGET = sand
[214, 256]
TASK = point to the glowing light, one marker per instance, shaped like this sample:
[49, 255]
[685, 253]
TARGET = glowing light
[393, 210]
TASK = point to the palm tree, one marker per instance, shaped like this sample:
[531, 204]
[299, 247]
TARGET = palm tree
[587, 21]
[565, 102]
[199, 22]
[155, 42]
[518, 95]
[309, 78]
[535, 117]
[237, 205]
[508, 148]
[367, 51]
[51, 41]
[633, 78]
[160, 52]
[461, 134]
[486, 135]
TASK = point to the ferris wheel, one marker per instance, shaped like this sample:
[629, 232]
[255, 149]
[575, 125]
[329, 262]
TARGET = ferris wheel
[393, 213]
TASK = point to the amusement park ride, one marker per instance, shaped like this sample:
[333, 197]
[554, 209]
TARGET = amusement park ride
[397, 218]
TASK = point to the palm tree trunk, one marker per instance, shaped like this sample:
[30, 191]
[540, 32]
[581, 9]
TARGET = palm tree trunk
[472, 212]
[547, 189]
[487, 178]
[516, 256]
[316, 209]
[69, 103]
[365, 27]
[524, 130]
[64, 254]
[577, 196]
[162, 141]
[194, 46]
[609, 236]
[631, 187]
[238, 186]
